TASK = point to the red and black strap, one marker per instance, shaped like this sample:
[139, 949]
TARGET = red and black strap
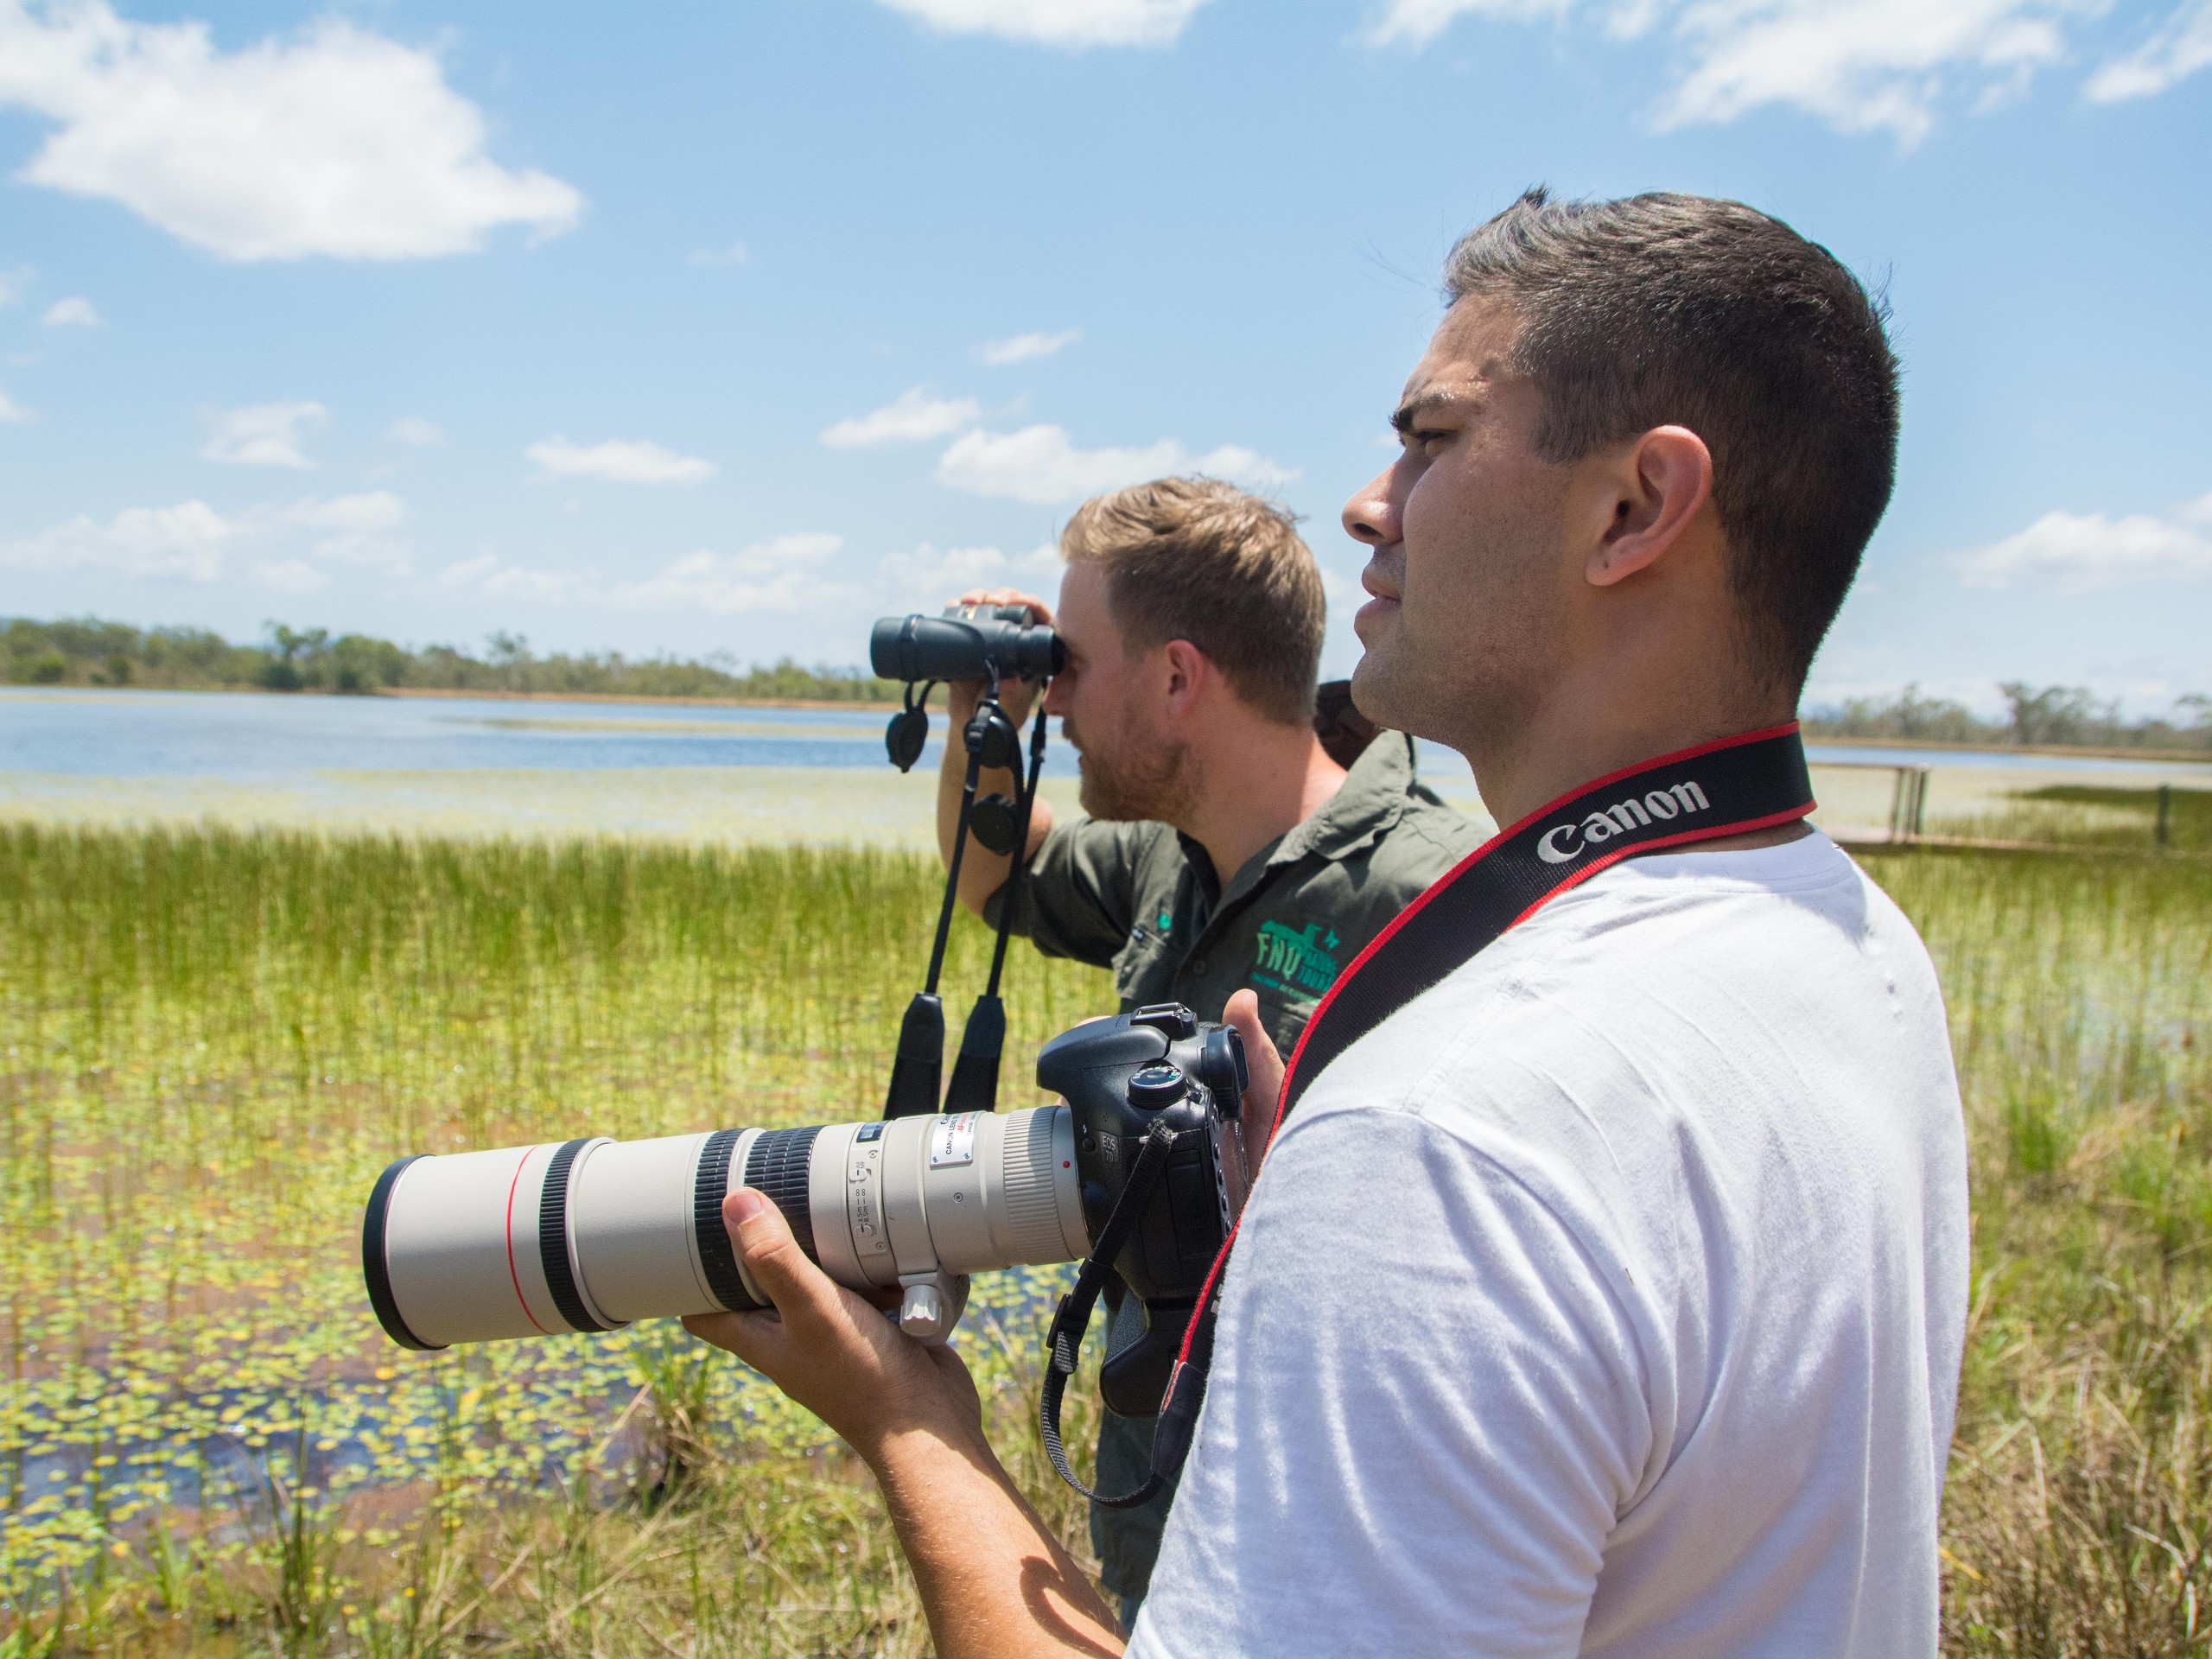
[1753, 781]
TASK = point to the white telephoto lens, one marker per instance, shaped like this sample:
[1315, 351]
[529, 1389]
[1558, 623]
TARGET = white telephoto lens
[590, 1234]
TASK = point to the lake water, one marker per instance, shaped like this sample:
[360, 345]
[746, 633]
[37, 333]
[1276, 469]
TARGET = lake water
[261, 738]
[473, 766]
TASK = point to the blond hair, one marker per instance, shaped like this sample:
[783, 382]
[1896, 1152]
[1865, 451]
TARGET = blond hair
[1197, 559]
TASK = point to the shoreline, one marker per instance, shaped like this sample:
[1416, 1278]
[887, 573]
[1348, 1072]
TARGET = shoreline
[862, 704]
[2075, 751]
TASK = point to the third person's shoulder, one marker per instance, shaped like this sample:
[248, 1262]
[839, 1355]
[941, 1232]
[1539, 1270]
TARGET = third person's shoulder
[1426, 839]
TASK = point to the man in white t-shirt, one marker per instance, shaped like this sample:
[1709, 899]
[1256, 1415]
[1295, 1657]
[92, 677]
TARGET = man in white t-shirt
[1608, 1297]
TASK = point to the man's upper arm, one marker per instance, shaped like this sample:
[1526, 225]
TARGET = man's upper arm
[1078, 894]
[1424, 1416]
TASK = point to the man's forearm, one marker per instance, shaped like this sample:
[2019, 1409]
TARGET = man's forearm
[983, 871]
[994, 1583]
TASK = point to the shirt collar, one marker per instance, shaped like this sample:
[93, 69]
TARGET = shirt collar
[1370, 799]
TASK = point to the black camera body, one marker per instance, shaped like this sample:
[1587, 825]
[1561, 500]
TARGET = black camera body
[1121, 1077]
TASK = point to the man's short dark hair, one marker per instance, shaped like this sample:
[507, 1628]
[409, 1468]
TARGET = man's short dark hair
[1667, 309]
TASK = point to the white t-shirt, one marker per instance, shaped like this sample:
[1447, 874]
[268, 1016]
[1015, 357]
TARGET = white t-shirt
[1608, 1298]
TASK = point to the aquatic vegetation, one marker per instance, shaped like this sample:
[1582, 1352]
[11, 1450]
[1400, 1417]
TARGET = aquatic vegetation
[209, 1043]
[211, 1040]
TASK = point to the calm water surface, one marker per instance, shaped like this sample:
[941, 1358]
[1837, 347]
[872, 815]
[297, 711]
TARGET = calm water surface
[262, 738]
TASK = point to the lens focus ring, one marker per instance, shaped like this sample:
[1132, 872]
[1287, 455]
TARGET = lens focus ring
[777, 1166]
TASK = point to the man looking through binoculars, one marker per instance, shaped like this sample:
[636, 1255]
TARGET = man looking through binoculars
[1228, 862]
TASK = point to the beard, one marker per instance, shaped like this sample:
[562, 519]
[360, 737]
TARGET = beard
[1135, 779]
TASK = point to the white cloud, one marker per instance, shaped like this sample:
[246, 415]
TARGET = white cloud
[12, 283]
[76, 311]
[292, 576]
[189, 540]
[337, 143]
[489, 574]
[929, 576]
[914, 415]
[262, 435]
[2080, 552]
[618, 461]
[1860, 65]
[1072, 23]
[2182, 46]
[192, 542]
[1039, 464]
[414, 430]
[1021, 348]
[735, 254]
[13, 413]
[353, 529]
[782, 575]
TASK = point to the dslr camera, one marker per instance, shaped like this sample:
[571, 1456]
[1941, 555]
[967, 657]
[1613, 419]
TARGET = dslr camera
[590, 1234]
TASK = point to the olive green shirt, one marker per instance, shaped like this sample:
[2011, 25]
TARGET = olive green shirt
[1143, 899]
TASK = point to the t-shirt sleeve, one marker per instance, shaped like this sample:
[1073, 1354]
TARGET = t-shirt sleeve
[1427, 1410]
[1078, 895]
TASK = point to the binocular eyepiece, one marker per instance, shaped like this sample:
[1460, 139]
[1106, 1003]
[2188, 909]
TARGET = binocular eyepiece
[970, 642]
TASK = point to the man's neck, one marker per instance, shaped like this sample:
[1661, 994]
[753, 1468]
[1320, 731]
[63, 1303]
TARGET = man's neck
[1584, 732]
[1255, 783]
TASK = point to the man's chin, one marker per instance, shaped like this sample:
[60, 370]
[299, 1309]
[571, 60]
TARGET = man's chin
[1375, 693]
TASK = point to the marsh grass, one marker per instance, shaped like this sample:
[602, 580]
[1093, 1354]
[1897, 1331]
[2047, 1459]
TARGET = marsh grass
[209, 1043]
[2079, 1506]
[2089, 816]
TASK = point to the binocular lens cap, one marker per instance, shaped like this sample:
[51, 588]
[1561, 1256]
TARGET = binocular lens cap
[903, 739]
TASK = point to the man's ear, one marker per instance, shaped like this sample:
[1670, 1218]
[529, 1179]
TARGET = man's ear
[1186, 675]
[1659, 483]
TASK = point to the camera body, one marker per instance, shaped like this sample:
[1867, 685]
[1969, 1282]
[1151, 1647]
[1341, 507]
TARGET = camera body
[1120, 1076]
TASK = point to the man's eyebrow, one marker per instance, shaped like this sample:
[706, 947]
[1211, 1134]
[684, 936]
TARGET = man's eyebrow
[1401, 420]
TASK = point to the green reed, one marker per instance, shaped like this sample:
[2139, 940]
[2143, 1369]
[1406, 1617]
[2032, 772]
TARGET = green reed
[2079, 1509]
[210, 1042]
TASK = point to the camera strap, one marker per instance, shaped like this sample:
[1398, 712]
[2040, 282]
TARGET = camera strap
[1063, 1340]
[1752, 781]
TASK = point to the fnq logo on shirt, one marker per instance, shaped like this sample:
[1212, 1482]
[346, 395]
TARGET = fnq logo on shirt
[1564, 843]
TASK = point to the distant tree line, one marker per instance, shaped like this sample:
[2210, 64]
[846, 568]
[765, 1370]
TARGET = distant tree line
[87, 651]
[2057, 716]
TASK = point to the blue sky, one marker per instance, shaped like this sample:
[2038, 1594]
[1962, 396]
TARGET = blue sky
[725, 328]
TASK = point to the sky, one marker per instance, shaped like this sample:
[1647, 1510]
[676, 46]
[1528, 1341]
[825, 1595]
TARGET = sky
[725, 328]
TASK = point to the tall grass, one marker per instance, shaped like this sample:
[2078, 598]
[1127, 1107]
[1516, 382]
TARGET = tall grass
[210, 1042]
[2079, 1509]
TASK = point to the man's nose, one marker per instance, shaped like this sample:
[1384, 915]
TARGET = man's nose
[1056, 698]
[1371, 516]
